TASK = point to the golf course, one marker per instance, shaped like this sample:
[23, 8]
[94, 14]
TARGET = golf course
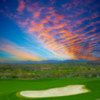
[49, 49]
[11, 88]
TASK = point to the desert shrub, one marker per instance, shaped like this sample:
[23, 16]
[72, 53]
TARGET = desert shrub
[18, 71]
[13, 75]
[48, 75]
[94, 74]
[1, 75]
[57, 74]
[6, 75]
[32, 75]
[24, 75]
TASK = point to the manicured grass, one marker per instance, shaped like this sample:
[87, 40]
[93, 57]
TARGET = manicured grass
[9, 88]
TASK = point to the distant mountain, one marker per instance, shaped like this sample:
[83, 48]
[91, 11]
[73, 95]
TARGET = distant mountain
[44, 61]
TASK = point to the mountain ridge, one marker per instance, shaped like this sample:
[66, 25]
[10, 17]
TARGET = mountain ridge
[45, 61]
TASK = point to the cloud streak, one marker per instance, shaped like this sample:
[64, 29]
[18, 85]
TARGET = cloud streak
[19, 52]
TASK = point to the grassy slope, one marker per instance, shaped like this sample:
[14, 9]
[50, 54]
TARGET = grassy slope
[9, 88]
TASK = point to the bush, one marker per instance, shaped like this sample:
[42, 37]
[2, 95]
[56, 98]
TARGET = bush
[1, 75]
[94, 74]
[18, 71]
[32, 75]
[24, 75]
[13, 75]
[6, 75]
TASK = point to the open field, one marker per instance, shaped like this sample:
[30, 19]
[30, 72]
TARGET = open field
[9, 88]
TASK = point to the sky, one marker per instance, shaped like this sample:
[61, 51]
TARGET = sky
[49, 30]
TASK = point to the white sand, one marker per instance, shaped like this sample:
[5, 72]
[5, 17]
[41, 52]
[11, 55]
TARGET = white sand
[54, 92]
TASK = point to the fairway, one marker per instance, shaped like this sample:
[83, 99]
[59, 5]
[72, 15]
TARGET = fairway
[9, 88]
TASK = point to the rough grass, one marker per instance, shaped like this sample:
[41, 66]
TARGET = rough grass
[9, 88]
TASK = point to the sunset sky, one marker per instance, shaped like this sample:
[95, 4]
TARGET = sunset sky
[49, 30]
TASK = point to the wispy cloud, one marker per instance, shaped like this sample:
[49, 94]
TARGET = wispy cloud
[20, 53]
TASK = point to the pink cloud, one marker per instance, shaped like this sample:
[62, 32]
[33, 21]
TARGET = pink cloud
[21, 6]
[36, 14]
[22, 24]
[64, 5]
[94, 15]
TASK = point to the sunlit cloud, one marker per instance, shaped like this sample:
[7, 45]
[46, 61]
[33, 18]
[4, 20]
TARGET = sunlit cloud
[70, 31]
[19, 52]
[4, 59]
[21, 5]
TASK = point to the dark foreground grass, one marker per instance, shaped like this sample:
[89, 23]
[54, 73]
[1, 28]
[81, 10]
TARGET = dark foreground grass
[9, 88]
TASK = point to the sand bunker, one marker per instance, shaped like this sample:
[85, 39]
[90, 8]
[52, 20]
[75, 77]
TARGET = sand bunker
[54, 92]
